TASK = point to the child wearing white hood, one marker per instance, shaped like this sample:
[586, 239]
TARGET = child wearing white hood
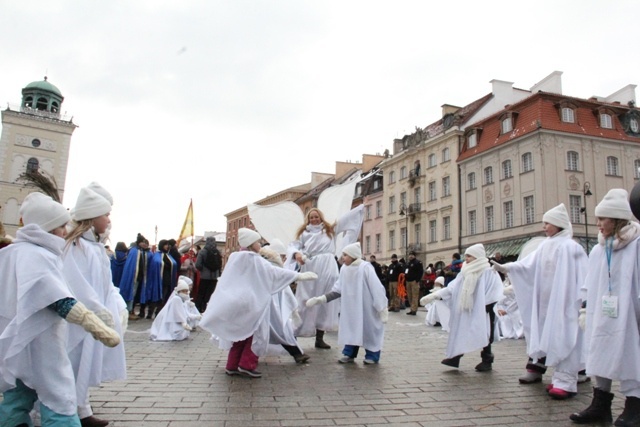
[438, 312]
[36, 301]
[363, 307]
[172, 322]
[473, 293]
[193, 315]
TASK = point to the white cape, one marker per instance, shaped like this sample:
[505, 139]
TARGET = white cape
[167, 326]
[510, 325]
[438, 311]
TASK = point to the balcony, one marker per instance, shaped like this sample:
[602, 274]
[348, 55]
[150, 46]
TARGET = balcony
[414, 176]
[415, 247]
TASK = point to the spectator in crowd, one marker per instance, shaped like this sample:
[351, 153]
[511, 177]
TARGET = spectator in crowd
[395, 268]
[413, 271]
[209, 264]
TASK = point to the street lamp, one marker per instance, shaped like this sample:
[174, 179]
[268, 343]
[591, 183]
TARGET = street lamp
[405, 213]
[586, 190]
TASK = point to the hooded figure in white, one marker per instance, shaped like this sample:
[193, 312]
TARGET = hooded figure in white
[193, 315]
[87, 269]
[36, 301]
[509, 321]
[438, 311]
[547, 288]
[363, 306]
[172, 323]
[473, 292]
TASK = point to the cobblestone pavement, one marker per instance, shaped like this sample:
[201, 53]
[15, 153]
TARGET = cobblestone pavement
[184, 384]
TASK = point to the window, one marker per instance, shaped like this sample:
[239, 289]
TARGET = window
[378, 242]
[35, 143]
[472, 222]
[471, 181]
[572, 161]
[32, 165]
[403, 172]
[633, 125]
[612, 166]
[392, 239]
[403, 199]
[433, 229]
[575, 205]
[488, 217]
[376, 184]
[446, 186]
[568, 115]
[392, 177]
[527, 162]
[432, 191]
[417, 231]
[507, 125]
[446, 228]
[416, 195]
[605, 121]
[529, 210]
[367, 212]
[636, 169]
[472, 140]
[367, 245]
[506, 169]
[508, 214]
[432, 160]
[488, 175]
[392, 204]
[403, 233]
[445, 155]
[378, 209]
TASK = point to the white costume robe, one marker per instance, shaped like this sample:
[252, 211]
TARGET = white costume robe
[193, 315]
[613, 346]
[167, 326]
[32, 336]
[438, 311]
[320, 251]
[362, 298]
[547, 284]
[241, 304]
[88, 273]
[469, 330]
[510, 325]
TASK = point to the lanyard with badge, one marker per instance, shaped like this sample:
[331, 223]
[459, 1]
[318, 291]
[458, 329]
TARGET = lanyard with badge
[609, 302]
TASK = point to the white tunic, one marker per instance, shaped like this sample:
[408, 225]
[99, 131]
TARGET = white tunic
[469, 330]
[193, 315]
[547, 284]
[240, 306]
[362, 298]
[509, 325]
[32, 336]
[167, 326]
[88, 273]
[613, 346]
[438, 311]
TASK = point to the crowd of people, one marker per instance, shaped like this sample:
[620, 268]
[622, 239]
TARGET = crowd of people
[579, 313]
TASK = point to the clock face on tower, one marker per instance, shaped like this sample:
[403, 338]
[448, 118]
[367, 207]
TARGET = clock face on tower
[633, 125]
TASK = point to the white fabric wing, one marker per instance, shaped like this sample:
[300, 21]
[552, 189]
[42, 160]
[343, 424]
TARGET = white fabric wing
[530, 246]
[336, 201]
[276, 221]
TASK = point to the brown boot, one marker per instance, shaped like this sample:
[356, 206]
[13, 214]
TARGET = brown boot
[92, 421]
[320, 341]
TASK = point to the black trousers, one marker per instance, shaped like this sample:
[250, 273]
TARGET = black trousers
[207, 287]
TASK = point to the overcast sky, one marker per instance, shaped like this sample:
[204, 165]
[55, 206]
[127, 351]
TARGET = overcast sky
[226, 102]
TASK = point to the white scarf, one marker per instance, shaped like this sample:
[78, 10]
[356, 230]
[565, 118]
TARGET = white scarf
[629, 232]
[471, 273]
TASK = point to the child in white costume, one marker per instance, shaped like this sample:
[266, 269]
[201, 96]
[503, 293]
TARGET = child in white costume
[193, 315]
[612, 332]
[547, 286]
[473, 294]
[363, 307]
[172, 323]
[509, 321]
[36, 301]
[438, 311]
[239, 310]
[87, 270]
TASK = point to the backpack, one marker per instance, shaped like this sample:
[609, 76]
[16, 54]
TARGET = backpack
[213, 260]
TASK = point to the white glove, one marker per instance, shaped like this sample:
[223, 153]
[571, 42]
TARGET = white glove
[296, 319]
[307, 275]
[384, 315]
[582, 318]
[186, 327]
[429, 298]
[81, 315]
[106, 317]
[316, 300]
[500, 268]
[124, 320]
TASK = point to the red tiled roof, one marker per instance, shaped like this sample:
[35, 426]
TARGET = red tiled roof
[541, 111]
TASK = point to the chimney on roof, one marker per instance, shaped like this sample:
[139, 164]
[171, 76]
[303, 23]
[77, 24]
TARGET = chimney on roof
[623, 96]
[552, 83]
[501, 89]
[449, 109]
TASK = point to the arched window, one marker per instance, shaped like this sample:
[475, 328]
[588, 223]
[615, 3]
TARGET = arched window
[488, 175]
[42, 104]
[573, 161]
[613, 167]
[527, 162]
[471, 179]
[507, 172]
[32, 165]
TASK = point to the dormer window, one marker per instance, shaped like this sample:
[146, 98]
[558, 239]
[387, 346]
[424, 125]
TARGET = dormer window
[568, 115]
[633, 125]
[472, 140]
[507, 125]
[605, 121]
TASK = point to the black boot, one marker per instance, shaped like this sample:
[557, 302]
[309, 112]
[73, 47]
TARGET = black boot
[320, 340]
[630, 417]
[143, 307]
[598, 411]
[454, 362]
[487, 362]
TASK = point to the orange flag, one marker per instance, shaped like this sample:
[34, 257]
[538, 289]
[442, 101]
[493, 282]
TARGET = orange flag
[187, 227]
